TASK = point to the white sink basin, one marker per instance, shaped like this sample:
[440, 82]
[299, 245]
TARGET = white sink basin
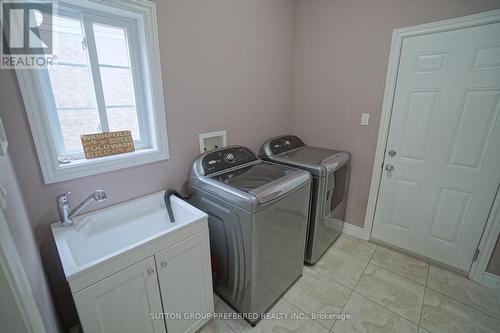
[102, 235]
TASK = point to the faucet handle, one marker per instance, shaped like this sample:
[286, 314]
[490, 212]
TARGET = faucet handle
[63, 198]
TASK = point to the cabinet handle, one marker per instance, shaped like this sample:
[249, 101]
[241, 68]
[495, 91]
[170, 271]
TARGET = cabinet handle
[151, 271]
[163, 264]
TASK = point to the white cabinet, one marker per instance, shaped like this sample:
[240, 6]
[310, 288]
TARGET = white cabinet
[175, 281]
[122, 302]
[185, 283]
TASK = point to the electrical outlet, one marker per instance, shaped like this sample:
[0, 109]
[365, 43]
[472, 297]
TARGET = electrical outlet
[365, 119]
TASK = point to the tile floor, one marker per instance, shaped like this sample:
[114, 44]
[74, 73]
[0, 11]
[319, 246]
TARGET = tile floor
[382, 290]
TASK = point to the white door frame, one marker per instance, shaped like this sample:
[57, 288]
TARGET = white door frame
[492, 228]
[11, 264]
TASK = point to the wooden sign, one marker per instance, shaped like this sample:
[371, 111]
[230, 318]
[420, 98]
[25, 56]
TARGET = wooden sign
[105, 144]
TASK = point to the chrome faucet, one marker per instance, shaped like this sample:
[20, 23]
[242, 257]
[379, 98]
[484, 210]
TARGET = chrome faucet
[63, 207]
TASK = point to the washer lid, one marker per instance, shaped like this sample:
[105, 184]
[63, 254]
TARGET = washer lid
[253, 176]
[318, 161]
[266, 181]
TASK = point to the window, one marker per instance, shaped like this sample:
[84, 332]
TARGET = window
[105, 77]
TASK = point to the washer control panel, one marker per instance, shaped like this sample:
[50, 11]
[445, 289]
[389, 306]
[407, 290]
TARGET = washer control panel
[285, 143]
[227, 158]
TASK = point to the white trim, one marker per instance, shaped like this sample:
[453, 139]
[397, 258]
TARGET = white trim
[488, 241]
[492, 228]
[145, 13]
[203, 136]
[95, 70]
[492, 281]
[353, 230]
[11, 265]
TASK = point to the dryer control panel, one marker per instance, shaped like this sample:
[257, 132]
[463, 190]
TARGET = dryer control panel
[227, 158]
[285, 143]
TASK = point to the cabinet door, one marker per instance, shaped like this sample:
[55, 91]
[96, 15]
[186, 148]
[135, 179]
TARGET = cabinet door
[186, 283]
[123, 302]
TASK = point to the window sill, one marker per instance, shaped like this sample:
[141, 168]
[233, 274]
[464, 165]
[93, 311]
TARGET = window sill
[82, 168]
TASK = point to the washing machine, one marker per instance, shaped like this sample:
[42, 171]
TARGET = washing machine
[258, 217]
[330, 170]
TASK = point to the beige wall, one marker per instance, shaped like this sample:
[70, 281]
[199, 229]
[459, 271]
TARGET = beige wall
[226, 64]
[341, 51]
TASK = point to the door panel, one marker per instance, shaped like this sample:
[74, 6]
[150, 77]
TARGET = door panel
[445, 129]
[486, 58]
[477, 114]
[417, 124]
[452, 205]
[186, 283]
[401, 210]
[123, 302]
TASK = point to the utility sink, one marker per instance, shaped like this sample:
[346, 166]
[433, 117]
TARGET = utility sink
[125, 229]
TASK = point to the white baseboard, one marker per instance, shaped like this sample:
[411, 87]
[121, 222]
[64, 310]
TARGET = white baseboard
[353, 230]
[491, 281]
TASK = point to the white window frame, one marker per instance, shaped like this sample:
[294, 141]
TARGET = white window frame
[145, 64]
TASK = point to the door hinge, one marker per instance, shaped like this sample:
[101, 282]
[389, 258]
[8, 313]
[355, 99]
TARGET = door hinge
[476, 255]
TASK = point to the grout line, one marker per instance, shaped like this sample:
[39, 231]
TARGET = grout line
[384, 306]
[332, 279]
[352, 291]
[362, 273]
[398, 274]
[342, 308]
[304, 311]
[423, 298]
[336, 249]
[352, 255]
[460, 302]
[397, 314]
[428, 273]
[453, 298]
[373, 254]
[429, 265]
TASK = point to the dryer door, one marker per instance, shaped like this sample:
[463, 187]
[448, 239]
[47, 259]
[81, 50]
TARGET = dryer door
[337, 186]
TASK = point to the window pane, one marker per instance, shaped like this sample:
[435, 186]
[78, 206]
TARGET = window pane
[124, 119]
[67, 43]
[75, 123]
[72, 86]
[117, 86]
[111, 44]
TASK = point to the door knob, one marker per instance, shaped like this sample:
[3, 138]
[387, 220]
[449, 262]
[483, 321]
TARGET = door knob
[392, 153]
[151, 271]
[163, 264]
[389, 167]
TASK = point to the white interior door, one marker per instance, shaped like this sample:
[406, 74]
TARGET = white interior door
[443, 145]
